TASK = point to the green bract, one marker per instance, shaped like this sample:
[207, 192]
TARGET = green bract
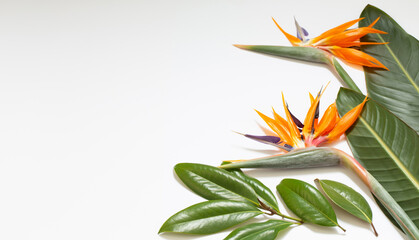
[298, 53]
[300, 158]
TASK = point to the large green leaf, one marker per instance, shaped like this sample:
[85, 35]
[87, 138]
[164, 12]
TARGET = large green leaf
[387, 148]
[307, 202]
[264, 193]
[259, 231]
[398, 88]
[210, 217]
[213, 183]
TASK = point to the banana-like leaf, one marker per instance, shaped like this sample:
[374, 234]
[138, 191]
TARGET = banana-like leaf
[389, 150]
[259, 231]
[398, 88]
[213, 183]
[307, 202]
[210, 217]
[264, 193]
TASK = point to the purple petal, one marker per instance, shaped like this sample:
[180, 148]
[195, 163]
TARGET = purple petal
[301, 32]
[271, 139]
[288, 146]
[304, 31]
[295, 120]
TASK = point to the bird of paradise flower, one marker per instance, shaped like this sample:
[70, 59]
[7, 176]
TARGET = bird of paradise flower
[338, 42]
[289, 133]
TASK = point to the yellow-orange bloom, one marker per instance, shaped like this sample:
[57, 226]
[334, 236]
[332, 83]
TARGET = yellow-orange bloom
[290, 133]
[340, 42]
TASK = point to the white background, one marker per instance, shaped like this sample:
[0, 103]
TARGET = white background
[100, 99]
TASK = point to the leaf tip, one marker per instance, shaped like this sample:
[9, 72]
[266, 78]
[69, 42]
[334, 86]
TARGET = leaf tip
[246, 47]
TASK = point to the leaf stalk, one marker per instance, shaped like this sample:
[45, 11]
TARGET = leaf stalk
[347, 80]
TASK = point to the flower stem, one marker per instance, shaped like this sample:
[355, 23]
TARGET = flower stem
[382, 195]
[344, 75]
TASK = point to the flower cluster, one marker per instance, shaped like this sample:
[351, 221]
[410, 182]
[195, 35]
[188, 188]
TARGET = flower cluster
[289, 133]
[340, 42]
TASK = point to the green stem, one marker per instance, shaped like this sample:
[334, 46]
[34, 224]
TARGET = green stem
[277, 212]
[288, 217]
[344, 75]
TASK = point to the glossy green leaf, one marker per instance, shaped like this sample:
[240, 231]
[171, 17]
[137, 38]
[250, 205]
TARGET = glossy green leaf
[398, 88]
[259, 231]
[210, 217]
[307, 202]
[214, 183]
[264, 193]
[389, 150]
[348, 199]
[299, 53]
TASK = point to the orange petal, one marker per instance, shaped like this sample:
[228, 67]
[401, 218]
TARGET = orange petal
[327, 122]
[294, 132]
[347, 36]
[358, 43]
[293, 40]
[281, 121]
[310, 122]
[311, 98]
[278, 129]
[335, 30]
[373, 23]
[346, 121]
[356, 57]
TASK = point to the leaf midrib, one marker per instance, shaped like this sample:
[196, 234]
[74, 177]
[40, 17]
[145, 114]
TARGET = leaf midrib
[369, 220]
[225, 188]
[391, 154]
[231, 213]
[397, 61]
[313, 206]
[399, 64]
